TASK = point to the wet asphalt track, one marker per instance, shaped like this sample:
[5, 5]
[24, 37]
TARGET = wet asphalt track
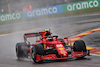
[67, 26]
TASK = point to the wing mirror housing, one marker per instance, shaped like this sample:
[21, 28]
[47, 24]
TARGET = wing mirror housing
[66, 38]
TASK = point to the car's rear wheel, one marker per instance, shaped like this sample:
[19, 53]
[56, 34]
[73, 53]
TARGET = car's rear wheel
[37, 49]
[22, 50]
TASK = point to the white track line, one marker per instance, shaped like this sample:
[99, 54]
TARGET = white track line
[95, 54]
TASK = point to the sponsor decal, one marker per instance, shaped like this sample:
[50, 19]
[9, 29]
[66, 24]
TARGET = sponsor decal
[10, 16]
[61, 48]
[81, 5]
[43, 11]
[49, 57]
[44, 46]
[59, 45]
[79, 54]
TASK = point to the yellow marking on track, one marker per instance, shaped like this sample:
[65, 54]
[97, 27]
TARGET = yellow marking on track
[73, 39]
[84, 33]
[96, 29]
[88, 48]
[97, 53]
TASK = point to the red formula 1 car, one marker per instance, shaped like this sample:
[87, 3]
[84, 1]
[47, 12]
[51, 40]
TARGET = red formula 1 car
[49, 47]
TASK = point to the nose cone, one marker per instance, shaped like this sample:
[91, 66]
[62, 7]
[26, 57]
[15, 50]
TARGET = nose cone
[61, 49]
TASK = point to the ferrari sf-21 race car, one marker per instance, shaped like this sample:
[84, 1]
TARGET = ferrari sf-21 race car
[48, 47]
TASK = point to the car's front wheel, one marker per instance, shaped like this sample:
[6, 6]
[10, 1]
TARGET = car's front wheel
[37, 49]
[79, 46]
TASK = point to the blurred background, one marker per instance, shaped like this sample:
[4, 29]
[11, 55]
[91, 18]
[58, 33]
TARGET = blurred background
[9, 6]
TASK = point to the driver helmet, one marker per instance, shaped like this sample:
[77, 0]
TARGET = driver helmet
[47, 32]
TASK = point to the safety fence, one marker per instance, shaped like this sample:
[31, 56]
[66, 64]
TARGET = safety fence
[52, 10]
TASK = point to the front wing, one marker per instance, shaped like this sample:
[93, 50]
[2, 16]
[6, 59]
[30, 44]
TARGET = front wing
[54, 57]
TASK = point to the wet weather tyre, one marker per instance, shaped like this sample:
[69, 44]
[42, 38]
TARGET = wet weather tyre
[34, 54]
[79, 46]
[20, 52]
[40, 49]
[37, 49]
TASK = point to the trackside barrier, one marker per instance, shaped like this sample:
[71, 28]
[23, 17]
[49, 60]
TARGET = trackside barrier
[85, 6]
[10, 16]
[43, 11]
[81, 5]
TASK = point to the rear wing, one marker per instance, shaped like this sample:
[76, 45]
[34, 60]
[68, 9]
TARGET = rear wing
[28, 35]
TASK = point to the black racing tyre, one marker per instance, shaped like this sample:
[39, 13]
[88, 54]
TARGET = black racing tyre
[37, 49]
[79, 46]
[22, 50]
[34, 54]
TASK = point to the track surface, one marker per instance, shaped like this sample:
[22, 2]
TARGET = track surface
[63, 27]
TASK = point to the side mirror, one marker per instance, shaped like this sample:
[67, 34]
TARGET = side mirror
[66, 38]
[67, 41]
[38, 41]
